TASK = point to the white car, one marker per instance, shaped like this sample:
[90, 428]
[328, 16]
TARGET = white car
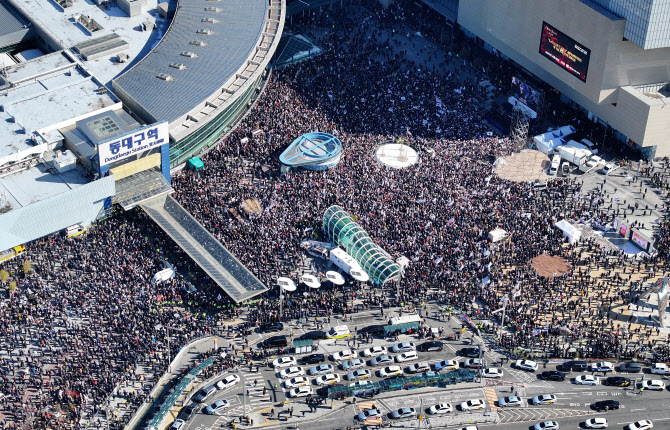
[370, 413]
[228, 382]
[653, 384]
[641, 425]
[390, 371]
[358, 374]
[296, 382]
[546, 425]
[440, 408]
[510, 401]
[301, 392]
[587, 380]
[406, 356]
[381, 360]
[321, 369]
[472, 405]
[204, 393]
[344, 355]
[603, 366]
[354, 363]
[422, 366]
[217, 407]
[291, 372]
[474, 363]
[327, 379]
[446, 365]
[609, 168]
[177, 424]
[374, 351]
[492, 372]
[527, 365]
[284, 362]
[596, 423]
[543, 399]
[469, 428]
[404, 347]
[403, 413]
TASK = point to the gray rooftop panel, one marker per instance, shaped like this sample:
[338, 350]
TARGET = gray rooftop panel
[10, 19]
[233, 40]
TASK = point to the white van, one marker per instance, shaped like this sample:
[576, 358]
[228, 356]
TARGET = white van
[590, 145]
[555, 164]
[405, 319]
[338, 332]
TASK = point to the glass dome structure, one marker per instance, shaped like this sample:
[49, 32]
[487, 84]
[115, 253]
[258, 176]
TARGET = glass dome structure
[341, 229]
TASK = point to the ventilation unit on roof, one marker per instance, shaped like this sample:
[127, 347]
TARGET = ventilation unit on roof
[212, 9]
[179, 66]
[198, 43]
[205, 31]
[164, 76]
[189, 54]
[209, 20]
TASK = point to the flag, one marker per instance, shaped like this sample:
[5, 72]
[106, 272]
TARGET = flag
[219, 297]
[438, 102]
[409, 132]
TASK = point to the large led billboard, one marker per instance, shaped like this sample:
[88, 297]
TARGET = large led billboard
[564, 51]
[524, 97]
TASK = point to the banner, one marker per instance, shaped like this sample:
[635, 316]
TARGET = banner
[132, 143]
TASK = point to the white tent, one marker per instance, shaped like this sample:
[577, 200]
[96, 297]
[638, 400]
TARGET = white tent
[335, 277]
[546, 142]
[286, 284]
[311, 281]
[570, 231]
[359, 275]
[497, 235]
[162, 276]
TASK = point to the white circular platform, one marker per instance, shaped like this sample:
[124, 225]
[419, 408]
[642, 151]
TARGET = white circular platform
[396, 155]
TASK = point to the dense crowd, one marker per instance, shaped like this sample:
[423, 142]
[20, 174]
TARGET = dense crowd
[86, 317]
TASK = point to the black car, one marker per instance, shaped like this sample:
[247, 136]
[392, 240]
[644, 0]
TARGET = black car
[372, 330]
[275, 342]
[575, 365]
[617, 381]
[188, 412]
[323, 391]
[313, 359]
[606, 405]
[431, 346]
[313, 335]
[553, 375]
[271, 327]
[632, 367]
[470, 352]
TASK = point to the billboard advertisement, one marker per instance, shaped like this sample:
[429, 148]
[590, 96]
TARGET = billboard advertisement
[564, 51]
[524, 97]
[132, 143]
[623, 230]
[640, 241]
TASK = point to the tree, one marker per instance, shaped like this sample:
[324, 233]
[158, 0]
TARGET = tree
[12, 286]
[26, 267]
[4, 275]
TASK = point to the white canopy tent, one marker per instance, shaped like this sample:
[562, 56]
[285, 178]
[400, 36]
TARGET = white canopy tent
[335, 277]
[311, 281]
[286, 284]
[569, 231]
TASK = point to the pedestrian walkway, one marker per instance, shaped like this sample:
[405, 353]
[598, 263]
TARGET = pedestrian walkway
[492, 397]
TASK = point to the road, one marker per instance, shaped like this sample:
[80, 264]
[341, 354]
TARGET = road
[573, 405]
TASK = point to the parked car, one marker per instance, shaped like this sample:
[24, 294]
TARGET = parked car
[217, 407]
[546, 425]
[527, 365]
[354, 363]
[617, 381]
[603, 366]
[227, 382]
[510, 401]
[358, 374]
[204, 393]
[313, 359]
[382, 360]
[374, 351]
[284, 362]
[344, 355]
[301, 392]
[596, 423]
[403, 413]
[553, 375]
[313, 335]
[472, 405]
[587, 380]
[271, 327]
[492, 372]
[609, 168]
[291, 372]
[275, 342]
[474, 363]
[632, 367]
[433, 345]
[188, 411]
[390, 371]
[370, 413]
[328, 379]
[446, 365]
[653, 384]
[321, 369]
[606, 405]
[404, 347]
[406, 356]
[296, 382]
[543, 399]
[372, 330]
[574, 365]
[470, 352]
[660, 369]
[440, 408]
[422, 366]
[177, 424]
[640, 425]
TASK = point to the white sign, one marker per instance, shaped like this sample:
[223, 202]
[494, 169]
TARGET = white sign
[133, 143]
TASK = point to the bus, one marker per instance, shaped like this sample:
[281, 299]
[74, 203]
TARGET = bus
[11, 253]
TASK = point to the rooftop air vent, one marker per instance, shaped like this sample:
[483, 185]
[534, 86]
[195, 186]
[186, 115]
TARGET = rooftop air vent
[204, 31]
[198, 43]
[164, 76]
[209, 20]
[189, 54]
[179, 66]
[212, 9]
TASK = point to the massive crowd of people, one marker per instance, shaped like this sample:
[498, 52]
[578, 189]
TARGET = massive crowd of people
[86, 317]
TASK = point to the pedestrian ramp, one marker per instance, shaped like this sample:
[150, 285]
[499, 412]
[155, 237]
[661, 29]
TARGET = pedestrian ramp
[492, 397]
[226, 270]
[364, 406]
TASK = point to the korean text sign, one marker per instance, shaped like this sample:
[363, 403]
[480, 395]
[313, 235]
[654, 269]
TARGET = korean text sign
[133, 143]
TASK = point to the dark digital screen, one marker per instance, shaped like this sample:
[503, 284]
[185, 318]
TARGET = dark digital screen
[564, 51]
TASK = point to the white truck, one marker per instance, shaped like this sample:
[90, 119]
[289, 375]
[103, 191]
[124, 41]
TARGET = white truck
[572, 155]
[578, 145]
[555, 164]
[344, 261]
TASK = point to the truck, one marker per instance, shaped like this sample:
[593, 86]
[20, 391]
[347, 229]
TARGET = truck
[590, 145]
[555, 164]
[344, 261]
[572, 155]
[11, 253]
[575, 144]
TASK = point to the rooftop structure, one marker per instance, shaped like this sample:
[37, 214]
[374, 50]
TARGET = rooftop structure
[396, 155]
[14, 27]
[313, 151]
[647, 21]
[341, 229]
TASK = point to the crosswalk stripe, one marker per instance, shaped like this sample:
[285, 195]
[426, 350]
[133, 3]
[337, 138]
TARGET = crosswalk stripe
[492, 397]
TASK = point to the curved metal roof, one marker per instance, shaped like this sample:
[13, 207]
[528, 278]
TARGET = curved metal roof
[191, 72]
[312, 148]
